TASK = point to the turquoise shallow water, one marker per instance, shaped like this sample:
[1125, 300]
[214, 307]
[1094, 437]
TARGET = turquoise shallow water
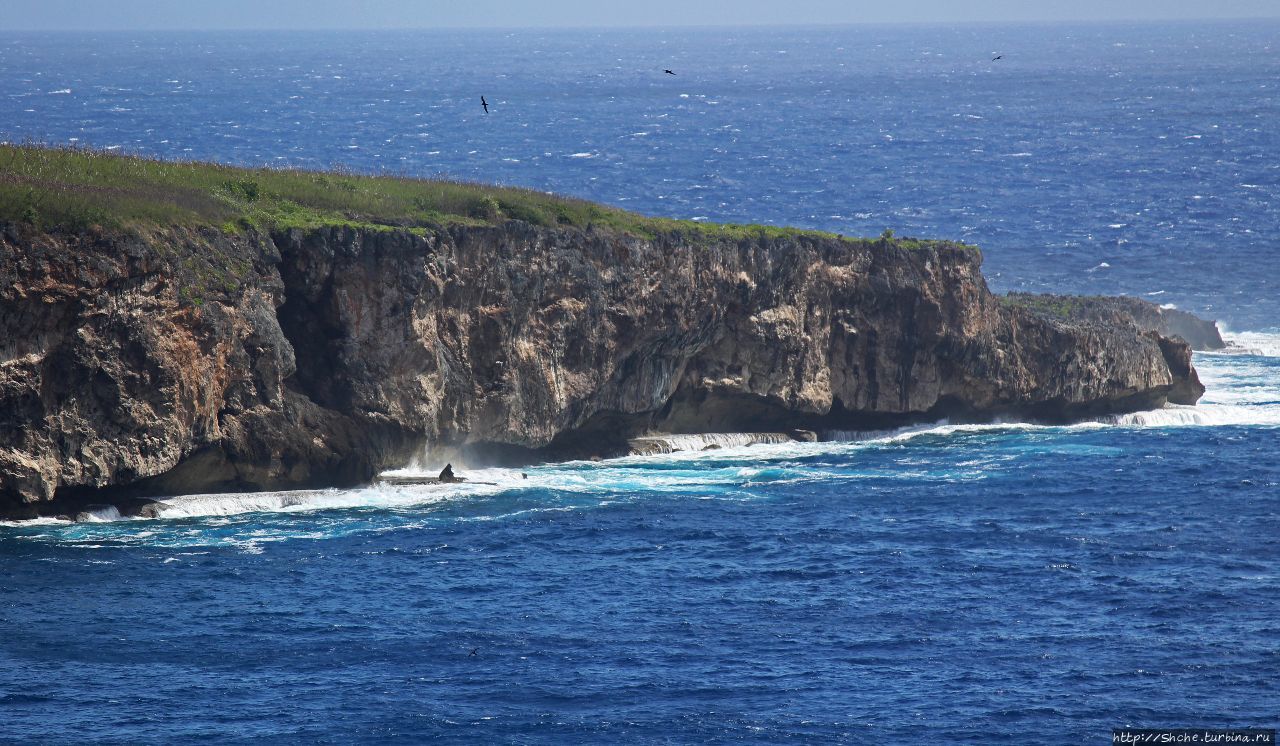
[985, 584]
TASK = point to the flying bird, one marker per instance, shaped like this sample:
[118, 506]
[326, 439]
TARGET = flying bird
[485, 104]
[668, 72]
[997, 57]
[474, 651]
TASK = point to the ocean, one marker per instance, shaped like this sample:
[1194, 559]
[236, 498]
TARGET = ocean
[1004, 583]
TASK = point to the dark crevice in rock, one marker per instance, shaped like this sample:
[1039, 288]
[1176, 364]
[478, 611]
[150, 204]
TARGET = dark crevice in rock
[304, 320]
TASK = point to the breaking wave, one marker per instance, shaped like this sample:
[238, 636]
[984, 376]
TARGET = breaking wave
[664, 444]
[1174, 415]
[1256, 344]
[101, 514]
[1243, 389]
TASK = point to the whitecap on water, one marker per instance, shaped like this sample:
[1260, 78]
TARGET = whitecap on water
[1262, 344]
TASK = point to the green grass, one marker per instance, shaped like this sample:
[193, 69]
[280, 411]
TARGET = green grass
[71, 189]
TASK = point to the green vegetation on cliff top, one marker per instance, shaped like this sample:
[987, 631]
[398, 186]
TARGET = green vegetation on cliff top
[73, 189]
[1061, 306]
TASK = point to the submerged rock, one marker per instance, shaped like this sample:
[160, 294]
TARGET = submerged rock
[140, 507]
[182, 361]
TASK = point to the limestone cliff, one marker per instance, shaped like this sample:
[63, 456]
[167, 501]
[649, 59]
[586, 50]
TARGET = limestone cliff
[1105, 310]
[202, 360]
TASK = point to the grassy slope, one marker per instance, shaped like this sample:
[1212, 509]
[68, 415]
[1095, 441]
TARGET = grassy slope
[72, 189]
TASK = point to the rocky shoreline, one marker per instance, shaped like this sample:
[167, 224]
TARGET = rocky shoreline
[177, 361]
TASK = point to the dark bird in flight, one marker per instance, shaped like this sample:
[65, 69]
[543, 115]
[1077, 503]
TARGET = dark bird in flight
[474, 651]
[997, 57]
[668, 72]
[485, 104]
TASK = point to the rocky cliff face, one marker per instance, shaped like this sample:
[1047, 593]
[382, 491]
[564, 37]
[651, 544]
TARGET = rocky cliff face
[1109, 311]
[182, 361]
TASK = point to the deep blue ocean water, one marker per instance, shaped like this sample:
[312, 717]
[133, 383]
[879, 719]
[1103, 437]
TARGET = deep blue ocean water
[984, 584]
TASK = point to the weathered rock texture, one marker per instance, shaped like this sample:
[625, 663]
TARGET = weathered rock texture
[184, 361]
[1168, 322]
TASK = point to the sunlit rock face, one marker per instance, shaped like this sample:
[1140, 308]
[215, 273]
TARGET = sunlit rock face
[192, 361]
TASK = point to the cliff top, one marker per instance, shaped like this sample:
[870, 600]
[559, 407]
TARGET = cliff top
[1201, 334]
[56, 188]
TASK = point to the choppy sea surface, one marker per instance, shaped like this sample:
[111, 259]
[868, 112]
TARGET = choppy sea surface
[1004, 583]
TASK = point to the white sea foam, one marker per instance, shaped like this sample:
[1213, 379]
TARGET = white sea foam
[193, 506]
[47, 521]
[377, 495]
[1262, 344]
[706, 441]
[944, 428]
[99, 515]
[1243, 389]
[1174, 415]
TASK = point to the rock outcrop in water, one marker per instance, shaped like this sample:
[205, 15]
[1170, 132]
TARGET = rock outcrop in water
[183, 361]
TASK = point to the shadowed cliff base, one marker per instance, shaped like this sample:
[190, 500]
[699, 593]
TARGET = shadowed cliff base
[165, 358]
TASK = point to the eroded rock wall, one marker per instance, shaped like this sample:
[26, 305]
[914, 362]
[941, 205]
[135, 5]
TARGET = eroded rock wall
[185, 361]
[1200, 333]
